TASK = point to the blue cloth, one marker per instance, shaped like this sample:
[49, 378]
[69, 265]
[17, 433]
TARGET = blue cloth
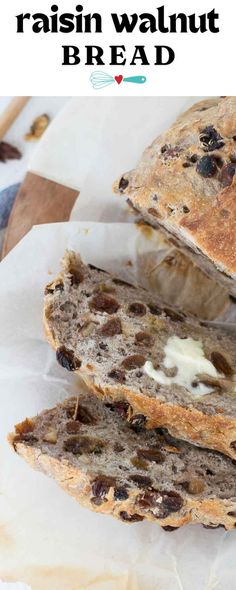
[7, 199]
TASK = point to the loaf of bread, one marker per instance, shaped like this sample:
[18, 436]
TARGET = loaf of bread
[112, 466]
[127, 345]
[185, 182]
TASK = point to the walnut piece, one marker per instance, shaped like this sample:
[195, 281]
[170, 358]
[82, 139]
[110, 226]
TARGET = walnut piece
[51, 436]
[221, 364]
[37, 128]
[195, 486]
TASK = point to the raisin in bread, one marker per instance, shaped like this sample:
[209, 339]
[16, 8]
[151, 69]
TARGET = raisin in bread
[117, 468]
[186, 183]
[126, 344]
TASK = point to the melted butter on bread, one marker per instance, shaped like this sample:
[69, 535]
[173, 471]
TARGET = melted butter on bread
[187, 355]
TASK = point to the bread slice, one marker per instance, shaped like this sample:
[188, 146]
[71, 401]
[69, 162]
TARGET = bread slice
[126, 345]
[118, 468]
[185, 182]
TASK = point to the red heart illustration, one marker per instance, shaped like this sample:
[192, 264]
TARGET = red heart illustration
[118, 79]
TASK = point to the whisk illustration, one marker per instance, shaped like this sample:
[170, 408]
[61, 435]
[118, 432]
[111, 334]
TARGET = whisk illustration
[101, 79]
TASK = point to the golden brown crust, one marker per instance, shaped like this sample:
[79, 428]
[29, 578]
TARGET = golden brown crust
[168, 190]
[210, 512]
[214, 432]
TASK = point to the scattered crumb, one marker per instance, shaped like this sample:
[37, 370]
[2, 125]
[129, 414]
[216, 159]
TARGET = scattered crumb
[9, 152]
[37, 128]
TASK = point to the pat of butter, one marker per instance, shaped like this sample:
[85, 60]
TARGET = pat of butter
[188, 357]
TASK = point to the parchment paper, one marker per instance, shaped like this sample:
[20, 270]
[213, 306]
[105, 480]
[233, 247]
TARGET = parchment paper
[47, 540]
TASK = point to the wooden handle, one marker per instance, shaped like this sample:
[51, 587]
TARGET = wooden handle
[11, 113]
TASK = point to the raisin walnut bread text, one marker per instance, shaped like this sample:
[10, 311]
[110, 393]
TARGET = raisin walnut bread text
[127, 345]
[186, 183]
[115, 467]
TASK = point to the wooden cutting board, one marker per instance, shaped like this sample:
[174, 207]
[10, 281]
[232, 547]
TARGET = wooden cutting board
[38, 201]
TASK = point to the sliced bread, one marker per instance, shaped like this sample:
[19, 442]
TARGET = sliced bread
[118, 468]
[129, 346]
